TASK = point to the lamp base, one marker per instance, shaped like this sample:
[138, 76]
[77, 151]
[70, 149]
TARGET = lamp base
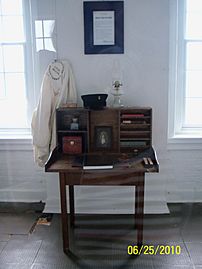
[117, 101]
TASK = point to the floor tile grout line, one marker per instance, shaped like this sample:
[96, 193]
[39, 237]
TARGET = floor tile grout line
[34, 259]
[6, 243]
[192, 263]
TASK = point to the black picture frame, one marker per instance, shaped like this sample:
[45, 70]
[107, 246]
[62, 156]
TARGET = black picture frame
[117, 9]
[103, 137]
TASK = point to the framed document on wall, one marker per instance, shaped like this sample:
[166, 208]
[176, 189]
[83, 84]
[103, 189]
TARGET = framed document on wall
[103, 27]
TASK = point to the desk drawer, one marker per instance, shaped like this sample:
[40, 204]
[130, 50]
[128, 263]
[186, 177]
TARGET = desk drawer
[72, 144]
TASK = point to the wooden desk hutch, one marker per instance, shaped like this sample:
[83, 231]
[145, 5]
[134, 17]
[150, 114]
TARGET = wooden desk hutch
[123, 133]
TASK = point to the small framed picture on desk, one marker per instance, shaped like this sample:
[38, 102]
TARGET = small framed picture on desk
[103, 137]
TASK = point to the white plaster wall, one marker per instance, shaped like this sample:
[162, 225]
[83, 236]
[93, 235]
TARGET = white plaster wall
[145, 77]
[20, 179]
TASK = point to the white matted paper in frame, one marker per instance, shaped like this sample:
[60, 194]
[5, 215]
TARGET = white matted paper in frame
[103, 28]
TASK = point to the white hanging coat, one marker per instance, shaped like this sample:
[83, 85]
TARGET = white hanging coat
[54, 93]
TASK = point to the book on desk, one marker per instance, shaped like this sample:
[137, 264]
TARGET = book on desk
[94, 162]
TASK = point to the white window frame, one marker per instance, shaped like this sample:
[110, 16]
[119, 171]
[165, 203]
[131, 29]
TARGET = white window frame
[20, 138]
[179, 136]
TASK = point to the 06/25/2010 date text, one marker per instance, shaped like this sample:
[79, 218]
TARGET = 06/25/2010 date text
[154, 250]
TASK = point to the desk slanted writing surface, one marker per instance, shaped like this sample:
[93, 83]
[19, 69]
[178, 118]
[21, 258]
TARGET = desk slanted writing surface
[128, 169]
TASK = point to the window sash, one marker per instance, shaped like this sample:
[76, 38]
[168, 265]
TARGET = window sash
[178, 68]
[190, 39]
[28, 94]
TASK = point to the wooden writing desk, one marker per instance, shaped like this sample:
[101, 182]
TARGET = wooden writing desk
[130, 172]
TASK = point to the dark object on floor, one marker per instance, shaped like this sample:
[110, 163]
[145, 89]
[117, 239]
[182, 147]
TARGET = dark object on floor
[94, 101]
[44, 219]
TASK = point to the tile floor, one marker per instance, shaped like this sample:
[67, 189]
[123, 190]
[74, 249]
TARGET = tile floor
[102, 241]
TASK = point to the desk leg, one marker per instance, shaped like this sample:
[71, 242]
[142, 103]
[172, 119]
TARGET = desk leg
[139, 209]
[63, 199]
[71, 204]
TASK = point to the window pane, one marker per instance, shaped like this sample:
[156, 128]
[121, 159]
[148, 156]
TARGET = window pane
[13, 29]
[193, 115]
[193, 27]
[39, 44]
[49, 44]
[194, 55]
[48, 27]
[11, 7]
[1, 59]
[194, 5]
[2, 86]
[193, 84]
[13, 58]
[16, 116]
[15, 87]
[1, 30]
[38, 29]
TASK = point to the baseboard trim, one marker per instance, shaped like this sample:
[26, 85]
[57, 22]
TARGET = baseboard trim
[20, 207]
